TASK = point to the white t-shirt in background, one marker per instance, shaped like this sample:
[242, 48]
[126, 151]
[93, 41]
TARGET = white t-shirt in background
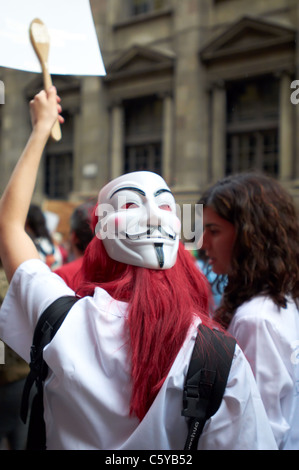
[269, 338]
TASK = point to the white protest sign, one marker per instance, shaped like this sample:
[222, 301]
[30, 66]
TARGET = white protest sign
[74, 46]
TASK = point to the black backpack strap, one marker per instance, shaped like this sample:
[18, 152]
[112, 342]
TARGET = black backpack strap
[206, 379]
[45, 330]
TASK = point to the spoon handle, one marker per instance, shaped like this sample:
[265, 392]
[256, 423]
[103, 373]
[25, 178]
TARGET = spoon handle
[56, 130]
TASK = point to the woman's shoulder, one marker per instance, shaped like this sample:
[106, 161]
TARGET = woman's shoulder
[263, 310]
[259, 309]
[256, 305]
[263, 304]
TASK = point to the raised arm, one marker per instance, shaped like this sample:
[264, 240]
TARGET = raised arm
[15, 245]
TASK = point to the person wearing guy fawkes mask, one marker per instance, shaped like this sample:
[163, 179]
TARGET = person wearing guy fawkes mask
[118, 363]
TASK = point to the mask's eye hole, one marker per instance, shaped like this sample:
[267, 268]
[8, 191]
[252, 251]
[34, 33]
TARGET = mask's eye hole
[165, 207]
[129, 205]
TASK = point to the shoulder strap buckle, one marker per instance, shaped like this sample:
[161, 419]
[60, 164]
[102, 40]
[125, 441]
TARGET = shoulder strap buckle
[197, 390]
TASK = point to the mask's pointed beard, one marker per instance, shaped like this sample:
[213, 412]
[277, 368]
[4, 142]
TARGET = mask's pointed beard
[159, 253]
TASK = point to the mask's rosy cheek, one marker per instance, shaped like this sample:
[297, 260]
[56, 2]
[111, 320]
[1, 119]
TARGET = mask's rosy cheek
[113, 226]
[120, 223]
[177, 225]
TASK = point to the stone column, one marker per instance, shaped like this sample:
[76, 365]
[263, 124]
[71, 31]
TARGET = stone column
[218, 131]
[285, 129]
[117, 140]
[167, 152]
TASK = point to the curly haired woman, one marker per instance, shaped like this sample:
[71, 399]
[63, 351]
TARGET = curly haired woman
[251, 234]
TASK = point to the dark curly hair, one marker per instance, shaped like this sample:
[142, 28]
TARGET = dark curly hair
[265, 257]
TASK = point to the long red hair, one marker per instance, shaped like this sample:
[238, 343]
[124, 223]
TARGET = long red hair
[161, 308]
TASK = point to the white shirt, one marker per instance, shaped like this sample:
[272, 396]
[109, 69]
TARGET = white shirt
[269, 337]
[88, 388]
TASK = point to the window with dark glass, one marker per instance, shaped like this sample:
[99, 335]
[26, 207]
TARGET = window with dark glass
[143, 135]
[139, 7]
[252, 125]
[58, 175]
[59, 163]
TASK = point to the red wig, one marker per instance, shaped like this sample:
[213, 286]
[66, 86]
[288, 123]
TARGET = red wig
[161, 308]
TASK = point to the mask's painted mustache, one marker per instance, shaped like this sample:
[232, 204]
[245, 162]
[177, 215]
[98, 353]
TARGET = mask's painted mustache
[149, 232]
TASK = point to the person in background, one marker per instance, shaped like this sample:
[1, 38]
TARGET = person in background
[251, 235]
[36, 228]
[118, 363]
[81, 234]
[217, 285]
[13, 432]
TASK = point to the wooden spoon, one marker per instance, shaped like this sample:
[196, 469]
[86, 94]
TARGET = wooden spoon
[40, 41]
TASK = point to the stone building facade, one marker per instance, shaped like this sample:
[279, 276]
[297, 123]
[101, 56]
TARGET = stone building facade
[195, 89]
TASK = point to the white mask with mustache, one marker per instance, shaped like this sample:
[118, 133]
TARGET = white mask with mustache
[137, 221]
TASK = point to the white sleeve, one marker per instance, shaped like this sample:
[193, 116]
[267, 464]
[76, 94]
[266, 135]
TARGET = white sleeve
[241, 422]
[261, 342]
[32, 289]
